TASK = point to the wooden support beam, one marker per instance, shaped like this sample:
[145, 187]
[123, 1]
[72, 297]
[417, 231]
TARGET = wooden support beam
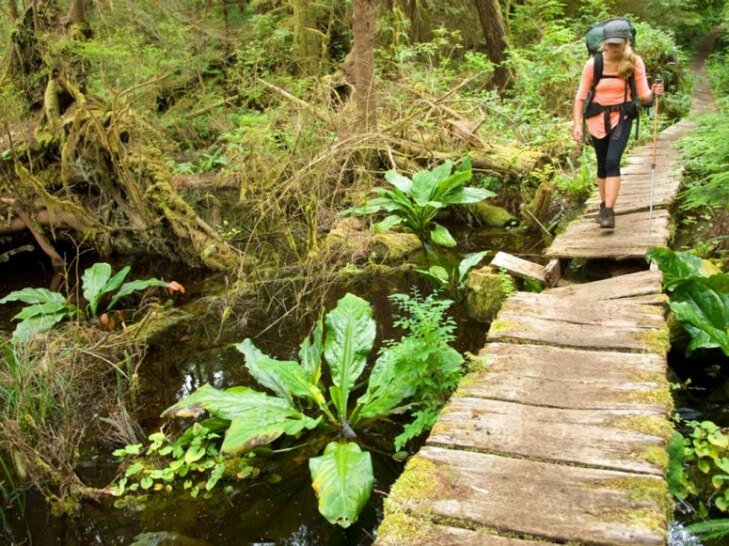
[519, 267]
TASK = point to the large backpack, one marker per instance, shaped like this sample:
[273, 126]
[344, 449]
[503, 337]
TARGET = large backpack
[593, 41]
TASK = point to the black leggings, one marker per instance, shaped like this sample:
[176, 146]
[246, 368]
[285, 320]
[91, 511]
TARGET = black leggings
[609, 150]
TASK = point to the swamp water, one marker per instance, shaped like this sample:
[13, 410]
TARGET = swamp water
[279, 505]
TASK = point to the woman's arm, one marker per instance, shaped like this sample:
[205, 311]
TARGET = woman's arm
[577, 110]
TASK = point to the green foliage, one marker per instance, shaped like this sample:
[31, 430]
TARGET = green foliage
[414, 203]
[453, 281]
[46, 308]
[421, 366]
[193, 459]
[579, 181]
[342, 478]
[699, 296]
[712, 529]
[707, 448]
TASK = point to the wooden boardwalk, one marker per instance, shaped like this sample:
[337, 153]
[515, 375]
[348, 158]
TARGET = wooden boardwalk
[560, 438]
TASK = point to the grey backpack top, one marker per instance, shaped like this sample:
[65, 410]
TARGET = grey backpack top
[595, 34]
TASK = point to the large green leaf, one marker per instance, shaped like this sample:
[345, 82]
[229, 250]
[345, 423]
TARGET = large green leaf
[389, 384]
[93, 282]
[342, 479]
[311, 352]
[28, 328]
[136, 286]
[255, 417]
[34, 296]
[41, 309]
[350, 335]
[449, 187]
[285, 378]
[387, 224]
[468, 263]
[679, 266]
[441, 236]
[424, 186]
[702, 307]
[470, 195]
[402, 183]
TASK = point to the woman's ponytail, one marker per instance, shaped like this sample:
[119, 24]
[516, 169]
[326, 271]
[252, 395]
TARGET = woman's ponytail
[626, 64]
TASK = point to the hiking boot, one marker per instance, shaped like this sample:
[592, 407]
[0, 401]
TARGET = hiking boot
[608, 218]
[598, 216]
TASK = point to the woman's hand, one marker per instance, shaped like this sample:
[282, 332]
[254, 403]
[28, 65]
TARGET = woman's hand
[657, 89]
[577, 133]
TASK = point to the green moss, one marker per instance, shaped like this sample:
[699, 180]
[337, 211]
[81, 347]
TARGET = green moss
[644, 491]
[659, 397]
[653, 425]
[485, 293]
[656, 341]
[657, 456]
[500, 325]
[394, 247]
[400, 528]
[418, 482]
[491, 215]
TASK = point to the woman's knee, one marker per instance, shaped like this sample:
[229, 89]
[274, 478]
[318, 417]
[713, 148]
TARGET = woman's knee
[612, 166]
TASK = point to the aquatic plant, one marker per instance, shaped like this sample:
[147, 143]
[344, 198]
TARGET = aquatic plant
[415, 203]
[45, 308]
[420, 367]
[453, 281]
[699, 296]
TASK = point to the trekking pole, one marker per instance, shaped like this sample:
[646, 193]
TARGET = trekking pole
[653, 164]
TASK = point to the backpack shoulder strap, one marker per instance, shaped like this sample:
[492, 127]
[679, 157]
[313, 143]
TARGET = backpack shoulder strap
[596, 70]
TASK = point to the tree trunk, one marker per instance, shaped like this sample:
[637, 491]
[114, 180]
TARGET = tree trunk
[76, 14]
[363, 58]
[494, 30]
[307, 42]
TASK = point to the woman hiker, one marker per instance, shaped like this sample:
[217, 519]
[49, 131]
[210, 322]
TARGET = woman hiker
[612, 109]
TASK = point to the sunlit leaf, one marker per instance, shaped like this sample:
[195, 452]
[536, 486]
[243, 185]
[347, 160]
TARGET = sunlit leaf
[93, 281]
[136, 286]
[401, 182]
[441, 236]
[34, 296]
[342, 479]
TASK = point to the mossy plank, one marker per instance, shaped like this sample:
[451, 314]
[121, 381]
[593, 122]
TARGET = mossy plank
[569, 378]
[405, 530]
[539, 499]
[568, 436]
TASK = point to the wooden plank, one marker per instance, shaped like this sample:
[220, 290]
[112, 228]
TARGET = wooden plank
[530, 498]
[401, 529]
[598, 438]
[562, 333]
[529, 387]
[624, 286]
[612, 313]
[519, 267]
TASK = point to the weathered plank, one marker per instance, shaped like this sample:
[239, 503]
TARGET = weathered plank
[557, 502]
[559, 377]
[610, 439]
[401, 529]
[624, 286]
[562, 333]
[574, 310]
[518, 267]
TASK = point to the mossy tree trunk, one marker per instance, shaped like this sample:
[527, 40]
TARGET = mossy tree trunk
[307, 39]
[363, 58]
[494, 30]
[12, 10]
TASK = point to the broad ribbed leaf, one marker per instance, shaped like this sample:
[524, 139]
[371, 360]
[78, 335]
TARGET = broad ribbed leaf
[136, 286]
[390, 382]
[387, 224]
[402, 183]
[443, 171]
[93, 281]
[451, 186]
[41, 309]
[469, 262]
[342, 479]
[350, 334]
[311, 352]
[424, 186]
[285, 378]
[702, 307]
[436, 273]
[255, 417]
[116, 281]
[466, 164]
[34, 295]
[441, 236]
[472, 195]
[28, 328]
[679, 266]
